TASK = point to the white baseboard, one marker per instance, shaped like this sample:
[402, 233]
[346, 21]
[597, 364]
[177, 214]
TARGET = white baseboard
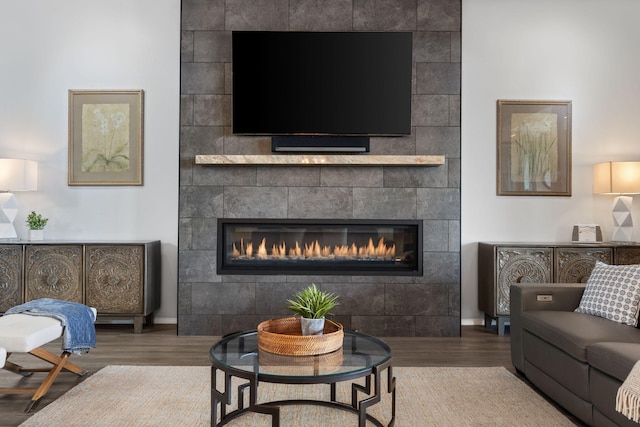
[166, 320]
[472, 322]
[174, 321]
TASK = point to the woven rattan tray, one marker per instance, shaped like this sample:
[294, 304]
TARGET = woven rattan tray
[284, 336]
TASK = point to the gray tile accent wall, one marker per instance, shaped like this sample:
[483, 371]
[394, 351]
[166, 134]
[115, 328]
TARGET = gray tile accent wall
[210, 304]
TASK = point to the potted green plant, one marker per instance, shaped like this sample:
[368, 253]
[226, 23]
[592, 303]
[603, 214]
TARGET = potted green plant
[36, 224]
[312, 305]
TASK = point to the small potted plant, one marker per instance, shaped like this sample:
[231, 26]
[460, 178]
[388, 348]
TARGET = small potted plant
[312, 305]
[36, 225]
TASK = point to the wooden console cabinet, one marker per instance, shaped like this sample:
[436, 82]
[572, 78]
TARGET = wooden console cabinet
[502, 264]
[120, 279]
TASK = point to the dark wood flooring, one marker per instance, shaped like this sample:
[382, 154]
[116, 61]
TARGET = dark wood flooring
[159, 345]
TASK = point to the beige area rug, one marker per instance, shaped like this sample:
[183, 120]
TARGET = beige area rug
[158, 396]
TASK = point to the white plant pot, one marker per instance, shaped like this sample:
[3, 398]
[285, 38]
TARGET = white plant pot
[36, 235]
[312, 326]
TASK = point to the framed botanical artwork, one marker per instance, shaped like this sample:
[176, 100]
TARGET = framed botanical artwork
[534, 148]
[105, 137]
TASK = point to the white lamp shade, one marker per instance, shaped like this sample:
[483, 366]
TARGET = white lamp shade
[616, 178]
[18, 175]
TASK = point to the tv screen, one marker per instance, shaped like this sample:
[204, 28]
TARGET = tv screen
[321, 83]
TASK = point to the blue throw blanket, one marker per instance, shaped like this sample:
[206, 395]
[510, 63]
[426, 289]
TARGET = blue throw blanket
[79, 334]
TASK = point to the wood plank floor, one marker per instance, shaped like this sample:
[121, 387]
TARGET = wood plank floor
[159, 345]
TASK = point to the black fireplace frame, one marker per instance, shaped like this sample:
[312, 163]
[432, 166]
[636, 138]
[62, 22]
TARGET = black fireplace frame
[355, 268]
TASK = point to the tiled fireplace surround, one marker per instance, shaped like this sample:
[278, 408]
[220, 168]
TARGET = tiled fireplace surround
[212, 304]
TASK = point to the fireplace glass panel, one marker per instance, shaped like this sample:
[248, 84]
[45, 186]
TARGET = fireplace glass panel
[357, 247]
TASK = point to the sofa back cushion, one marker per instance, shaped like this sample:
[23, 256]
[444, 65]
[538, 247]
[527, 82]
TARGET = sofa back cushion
[612, 292]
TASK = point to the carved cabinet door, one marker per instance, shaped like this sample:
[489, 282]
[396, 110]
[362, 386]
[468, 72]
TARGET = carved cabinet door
[115, 278]
[53, 271]
[10, 276]
[627, 255]
[520, 265]
[574, 265]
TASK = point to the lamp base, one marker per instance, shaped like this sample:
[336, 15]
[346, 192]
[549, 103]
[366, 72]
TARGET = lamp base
[8, 211]
[622, 221]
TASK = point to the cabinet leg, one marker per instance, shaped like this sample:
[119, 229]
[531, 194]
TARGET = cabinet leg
[138, 321]
[500, 323]
[488, 322]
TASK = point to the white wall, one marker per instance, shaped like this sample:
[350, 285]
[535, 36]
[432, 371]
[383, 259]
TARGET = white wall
[580, 50]
[48, 47]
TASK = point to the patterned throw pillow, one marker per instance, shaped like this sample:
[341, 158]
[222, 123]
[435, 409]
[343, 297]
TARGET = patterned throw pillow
[612, 292]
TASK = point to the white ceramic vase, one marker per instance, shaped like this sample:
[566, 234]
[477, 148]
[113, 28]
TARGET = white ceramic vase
[312, 326]
[36, 235]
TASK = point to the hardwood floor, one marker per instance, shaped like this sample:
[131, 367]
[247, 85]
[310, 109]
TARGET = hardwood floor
[159, 345]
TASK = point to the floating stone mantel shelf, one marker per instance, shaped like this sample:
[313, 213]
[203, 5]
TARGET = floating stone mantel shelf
[319, 160]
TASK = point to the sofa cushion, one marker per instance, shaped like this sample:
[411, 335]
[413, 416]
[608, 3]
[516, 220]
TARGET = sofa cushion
[614, 358]
[610, 363]
[565, 370]
[574, 332]
[612, 292]
[603, 396]
[562, 395]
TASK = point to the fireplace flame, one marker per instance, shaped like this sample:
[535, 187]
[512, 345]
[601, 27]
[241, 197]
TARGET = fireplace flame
[316, 251]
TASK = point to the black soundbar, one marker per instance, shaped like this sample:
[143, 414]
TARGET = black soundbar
[320, 144]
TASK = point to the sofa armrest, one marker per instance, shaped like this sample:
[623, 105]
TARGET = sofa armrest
[545, 296]
[537, 296]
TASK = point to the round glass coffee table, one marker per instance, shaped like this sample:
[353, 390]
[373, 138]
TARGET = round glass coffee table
[238, 356]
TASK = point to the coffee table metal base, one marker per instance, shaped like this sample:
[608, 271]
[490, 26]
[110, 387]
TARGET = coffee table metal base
[371, 390]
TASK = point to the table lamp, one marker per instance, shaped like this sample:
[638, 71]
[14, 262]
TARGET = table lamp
[15, 175]
[622, 179]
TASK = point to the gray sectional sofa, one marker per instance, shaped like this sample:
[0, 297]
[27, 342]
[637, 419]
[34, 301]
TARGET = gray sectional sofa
[578, 360]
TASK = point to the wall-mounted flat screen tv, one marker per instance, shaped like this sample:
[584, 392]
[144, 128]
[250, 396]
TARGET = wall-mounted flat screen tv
[322, 83]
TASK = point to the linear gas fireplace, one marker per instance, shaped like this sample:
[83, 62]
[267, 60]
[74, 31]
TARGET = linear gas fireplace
[286, 246]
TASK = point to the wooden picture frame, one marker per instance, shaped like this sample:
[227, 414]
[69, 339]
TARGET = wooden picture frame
[105, 137]
[534, 148]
